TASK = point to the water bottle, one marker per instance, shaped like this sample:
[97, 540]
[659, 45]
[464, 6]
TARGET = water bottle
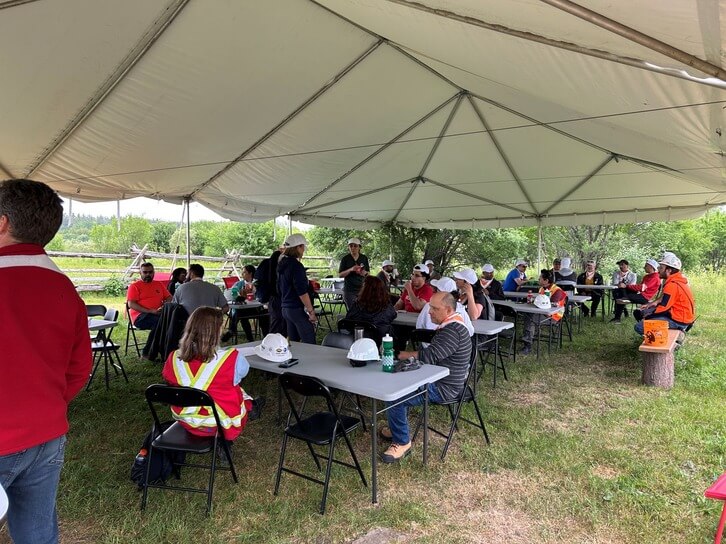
[235, 293]
[547, 293]
[530, 297]
[387, 359]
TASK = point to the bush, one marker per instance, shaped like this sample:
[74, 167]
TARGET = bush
[114, 287]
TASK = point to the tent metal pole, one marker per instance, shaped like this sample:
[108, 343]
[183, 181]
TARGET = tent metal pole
[582, 182]
[289, 225]
[14, 3]
[340, 75]
[360, 195]
[405, 200]
[189, 234]
[444, 129]
[539, 243]
[70, 212]
[501, 152]
[477, 197]
[377, 151]
[568, 46]
[118, 216]
[638, 37]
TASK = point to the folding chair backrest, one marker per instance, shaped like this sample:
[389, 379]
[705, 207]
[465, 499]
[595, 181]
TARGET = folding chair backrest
[338, 340]
[111, 315]
[369, 329]
[422, 335]
[95, 310]
[179, 396]
[229, 281]
[305, 386]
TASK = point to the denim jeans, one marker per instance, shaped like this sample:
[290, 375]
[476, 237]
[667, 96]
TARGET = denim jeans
[671, 324]
[30, 478]
[299, 327]
[398, 415]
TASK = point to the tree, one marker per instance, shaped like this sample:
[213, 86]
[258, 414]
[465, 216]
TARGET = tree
[161, 235]
[108, 239]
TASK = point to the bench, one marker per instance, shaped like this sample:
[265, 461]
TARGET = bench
[658, 361]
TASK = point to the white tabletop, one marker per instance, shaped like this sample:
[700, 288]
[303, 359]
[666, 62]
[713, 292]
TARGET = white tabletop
[100, 324]
[331, 366]
[523, 307]
[596, 287]
[570, 296]
[481, 326]
[249, 305]
[331, 280]
[329, 291]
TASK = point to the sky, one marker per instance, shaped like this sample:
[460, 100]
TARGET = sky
[143, 207]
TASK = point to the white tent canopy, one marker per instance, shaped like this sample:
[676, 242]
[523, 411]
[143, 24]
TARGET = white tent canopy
[435, 113]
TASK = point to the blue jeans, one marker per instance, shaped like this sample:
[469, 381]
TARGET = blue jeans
[671, 324]
[146, 322]
[30, 478]
[299, 327]
[398, 415]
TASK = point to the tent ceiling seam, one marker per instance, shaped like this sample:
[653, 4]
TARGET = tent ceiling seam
[340, 75]
[130, 60]
[360, 195]
[477, 197]
[443, 131]
[405, 200]
[5, 170]
[14, 3]
[578, 185]
[502, 154]
[377, 151]
[568, 46]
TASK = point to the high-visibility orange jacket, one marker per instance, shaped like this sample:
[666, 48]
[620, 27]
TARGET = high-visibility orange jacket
[677, 300]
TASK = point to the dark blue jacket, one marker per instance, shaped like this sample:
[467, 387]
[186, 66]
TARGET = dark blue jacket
[292, 282]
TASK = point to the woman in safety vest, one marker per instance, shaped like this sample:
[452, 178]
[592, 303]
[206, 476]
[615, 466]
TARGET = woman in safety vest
[200, 363]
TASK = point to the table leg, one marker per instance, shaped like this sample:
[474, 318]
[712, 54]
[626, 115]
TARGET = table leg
[426, 425]
[374, 452]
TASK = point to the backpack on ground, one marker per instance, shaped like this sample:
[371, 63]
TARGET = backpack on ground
[162, 462]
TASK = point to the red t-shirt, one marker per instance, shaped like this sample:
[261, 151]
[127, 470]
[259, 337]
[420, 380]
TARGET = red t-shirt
[149, 295]
[424, 293]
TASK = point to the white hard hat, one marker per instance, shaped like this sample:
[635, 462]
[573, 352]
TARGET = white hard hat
[274, 347]
[362, 351]
[669, 259]
[542, 301]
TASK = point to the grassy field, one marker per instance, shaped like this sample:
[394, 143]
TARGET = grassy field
[580, 453]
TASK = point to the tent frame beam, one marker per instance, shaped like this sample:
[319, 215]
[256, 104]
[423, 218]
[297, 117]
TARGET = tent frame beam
[322, 90]
[582, 182]
[172, 10]
[405, 200]
[441, 135]
[477, 197]
[359, 195]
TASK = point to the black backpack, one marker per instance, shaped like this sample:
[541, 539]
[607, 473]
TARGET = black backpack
[162, 462]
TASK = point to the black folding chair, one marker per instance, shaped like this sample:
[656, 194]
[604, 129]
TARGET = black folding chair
[95, 310]
[321, 311]
[131, 333]
[338, 340]
[455, 406]
[319, 429]
[104, 349]
[421, 336]
[177, 439]
[369, 329]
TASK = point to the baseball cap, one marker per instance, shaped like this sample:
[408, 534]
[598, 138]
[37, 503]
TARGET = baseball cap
[669, 259]
[444, 284]
[466, 274]
[653, 263]
[487, 268]
[623, 261]
[520, 262]
[387, 263]
[557, 261]
[566, 262]
[428, 261]
[421, 268]
[295, 240]
[355, 241]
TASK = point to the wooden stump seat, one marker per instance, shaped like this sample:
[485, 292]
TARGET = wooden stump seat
[658, 361]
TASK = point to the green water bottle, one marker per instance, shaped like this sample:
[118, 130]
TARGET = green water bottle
[387, 359]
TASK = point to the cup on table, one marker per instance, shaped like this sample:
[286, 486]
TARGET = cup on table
[358, 333]
[250, 296]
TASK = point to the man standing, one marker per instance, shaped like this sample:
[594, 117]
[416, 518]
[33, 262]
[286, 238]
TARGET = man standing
[44, 363]
[197, 292]
[354, 267]
[492, 287]
[450, 347]
[676, 304]
[145, 299]
[386, 275]
[516, 277]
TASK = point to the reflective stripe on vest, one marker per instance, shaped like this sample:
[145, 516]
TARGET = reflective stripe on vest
[207, 372]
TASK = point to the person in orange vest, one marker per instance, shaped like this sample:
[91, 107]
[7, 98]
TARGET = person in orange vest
[676, 304]
[558, 297]
[200, 363]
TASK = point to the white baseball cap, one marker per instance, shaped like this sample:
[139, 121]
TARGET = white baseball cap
[421, 268]
[444, 284]
[355, 241]
[387, 263]
[520, 262]
[669, 259]
[653, 263]
[295, 240]
[566, 261]
[466, 274]
[428, 262]
[487, 268]
[274, 347]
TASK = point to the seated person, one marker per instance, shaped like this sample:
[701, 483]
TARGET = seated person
[676, 304]
[145, 299]
[443, 285]
[246, 287]
[416, 293]
[517, 276]
[558, 297]
[564, 272]
[450, 347]
[590, 277]
[623, 276]
[374, 306]
[433, 274]
[178, 276]
[492, 286]
[200, 363]
[197, 292]
[388, 274]
[471, 295]
[639, 293]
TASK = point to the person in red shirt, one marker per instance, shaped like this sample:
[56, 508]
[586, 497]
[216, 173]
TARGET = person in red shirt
[416, 293]
[639, 293]
[145, 299]
[44, 362]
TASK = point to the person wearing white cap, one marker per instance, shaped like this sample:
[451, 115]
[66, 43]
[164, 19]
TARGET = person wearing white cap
[471, 295]
[446, 285]
[639, 293]
[516, 276]
[353, 268]
[564, 272]
[492, 286]
[293, 284]
[433, 275]
[676, 304]
[590, 277]
[387, 274]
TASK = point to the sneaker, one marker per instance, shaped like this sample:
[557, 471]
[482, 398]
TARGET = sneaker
[226, 336]
[257, 405]
[638, 315]
[385, 433]
[396, 452]
[616, 320]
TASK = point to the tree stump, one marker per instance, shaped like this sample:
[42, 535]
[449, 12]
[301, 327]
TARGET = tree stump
[659, 369]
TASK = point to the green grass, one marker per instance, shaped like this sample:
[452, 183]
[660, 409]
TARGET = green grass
[580, 453]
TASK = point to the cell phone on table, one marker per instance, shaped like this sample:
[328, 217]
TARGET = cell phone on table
[288, 364]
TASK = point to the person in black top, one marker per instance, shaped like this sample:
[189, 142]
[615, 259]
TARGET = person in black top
[178, 276]
[354, 268]
[293, 285]
[492, 286]
[373, 305]
[590, 277]
[471, 295]
[266, 291]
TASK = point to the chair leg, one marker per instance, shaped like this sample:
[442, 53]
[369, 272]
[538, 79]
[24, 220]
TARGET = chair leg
[212, 470]
[118, 364]
[278, 476]
[454, 420]
[331, 449]
[481, 421]
[355, 459]
[145, 484]
[228, 455]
